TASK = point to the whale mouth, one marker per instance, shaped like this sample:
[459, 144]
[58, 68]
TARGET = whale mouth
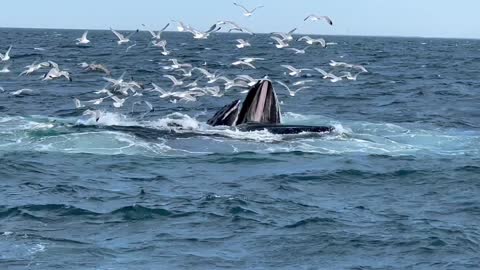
[260, 106]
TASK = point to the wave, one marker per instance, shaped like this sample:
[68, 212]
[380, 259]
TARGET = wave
[48, 212]
[179, 134]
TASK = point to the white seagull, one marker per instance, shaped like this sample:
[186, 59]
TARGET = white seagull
[248, 13]
[314, 18]
[280, 43]
[83, 40]
[175, 81]
[242, 43]
[294, 71]
[56, 73]
[121, 38]
[286, 36]
[292, 93]
[312, 41]
[158, 35]
[6, 56]
[299, 51]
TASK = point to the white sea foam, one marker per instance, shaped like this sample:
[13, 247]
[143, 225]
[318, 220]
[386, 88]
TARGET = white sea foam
[48, 134]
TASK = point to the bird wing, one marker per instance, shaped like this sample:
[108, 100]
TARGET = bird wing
[277, 39]
[328, 20]
[323, 72]
[84, 36]
[133, 33]
[310, 16]
[253, 10]
[242, 7]
[301, 88]
[304, 38]
[165, 27]
[289, 67]
[173, 79]
[284, 85]
[119, 36]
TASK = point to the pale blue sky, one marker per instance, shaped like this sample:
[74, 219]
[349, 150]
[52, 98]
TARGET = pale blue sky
[427, 18]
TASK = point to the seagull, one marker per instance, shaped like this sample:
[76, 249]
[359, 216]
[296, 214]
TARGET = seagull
[349, 75]
[235, 27]
[181, 27]
[242, 44]
[312, 41]
[205, 72]
[340, 64]
[323, 72]
[158, 35]
[186, 73]
[248, 13]
[280, 43]
[56, 73]
[118, 102]
[299, 51]
[246, 62]
[116, 83]
[34, 67]
[314, 18]
[175, 81]
[361, 68]
[248, 79]
[292, 93]
[286, 36]
[21, 92]
[194, 83]
[294, 71]
[96, 68]
[333, 78]
[83, 40]
[162, 44]
[302, 82]
[202, 35]
[159, 43]
[176, 65]
[121, 38]
[6, 56]
[251, 59]
[1, 89]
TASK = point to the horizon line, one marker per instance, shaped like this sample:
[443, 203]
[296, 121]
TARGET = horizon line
[261, 33]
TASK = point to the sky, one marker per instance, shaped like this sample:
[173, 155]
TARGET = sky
[420, 18]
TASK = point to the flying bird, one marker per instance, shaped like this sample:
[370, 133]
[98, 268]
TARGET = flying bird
[83, 40]
[248, 13]
[292, 92]
[294, 71]
[6, 56]
[314, 18]
[121, 38]
[280, 43]
[242, 43]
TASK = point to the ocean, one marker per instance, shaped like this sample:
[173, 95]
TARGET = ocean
[396, 186]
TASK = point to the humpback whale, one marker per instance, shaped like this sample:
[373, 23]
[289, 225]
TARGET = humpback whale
[259, 111]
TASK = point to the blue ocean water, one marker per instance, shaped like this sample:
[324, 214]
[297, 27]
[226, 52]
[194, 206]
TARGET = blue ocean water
[395, 187]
